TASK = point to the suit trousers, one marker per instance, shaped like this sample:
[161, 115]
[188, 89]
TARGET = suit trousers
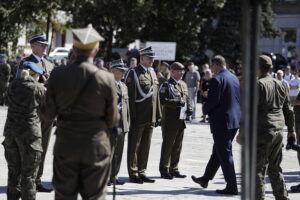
[171, 149]
[46, 133]
[222, 156]
[139, 141]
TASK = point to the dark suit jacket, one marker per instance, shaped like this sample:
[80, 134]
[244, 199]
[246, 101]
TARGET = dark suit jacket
[223, 103]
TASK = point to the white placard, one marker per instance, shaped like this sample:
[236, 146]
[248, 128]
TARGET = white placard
[163, 50]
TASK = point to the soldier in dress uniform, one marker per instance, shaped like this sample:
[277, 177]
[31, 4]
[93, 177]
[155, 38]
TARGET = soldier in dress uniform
[85, 102]
[118, 68]
[4, 77]
[22, 131]
[39, 46]
[176, 105]
[145, 112]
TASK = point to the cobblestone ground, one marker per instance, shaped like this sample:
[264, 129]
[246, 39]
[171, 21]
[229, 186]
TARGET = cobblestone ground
[196, 151]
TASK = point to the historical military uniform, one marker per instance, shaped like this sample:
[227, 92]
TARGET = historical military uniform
[84, 100]
[22, 131]
[273, 113]
[145, 110]
[175, 102]
[4, 78]
[124, 123]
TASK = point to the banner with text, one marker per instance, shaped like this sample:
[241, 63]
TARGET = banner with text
[163, 50]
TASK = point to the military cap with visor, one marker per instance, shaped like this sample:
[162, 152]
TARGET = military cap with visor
[147, 52]
[119, 64]
[86, 38]
[39, 38]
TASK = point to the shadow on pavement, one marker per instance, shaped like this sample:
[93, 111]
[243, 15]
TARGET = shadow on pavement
[195, 191]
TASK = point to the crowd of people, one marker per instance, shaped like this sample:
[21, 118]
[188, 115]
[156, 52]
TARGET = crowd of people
[95, 105]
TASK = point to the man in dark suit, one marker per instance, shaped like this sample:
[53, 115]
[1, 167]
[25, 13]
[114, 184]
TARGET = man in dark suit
[223, 108]
[39, 46]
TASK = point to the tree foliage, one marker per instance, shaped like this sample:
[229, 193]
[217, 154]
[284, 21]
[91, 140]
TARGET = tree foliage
[196, 25]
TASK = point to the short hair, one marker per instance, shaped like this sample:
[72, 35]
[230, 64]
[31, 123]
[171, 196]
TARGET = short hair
[280, 72]
[265, 63]
[219, 61]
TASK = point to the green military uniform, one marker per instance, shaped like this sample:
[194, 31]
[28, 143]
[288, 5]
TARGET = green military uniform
[144, 111]
[273, 113]
[46, 125]
[22, 133]
[4, 79]
[85, 103]
[123, 107]
[297, 124]
[173, 97]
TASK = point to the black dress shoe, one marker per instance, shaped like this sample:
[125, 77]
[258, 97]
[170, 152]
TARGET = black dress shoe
[228, 191]
[41, 188]
[295, 189]
[166, 175]
[201, 180]
[109, 183]
[146, 179]
[136, 179]
[119, 182]
[177, 174]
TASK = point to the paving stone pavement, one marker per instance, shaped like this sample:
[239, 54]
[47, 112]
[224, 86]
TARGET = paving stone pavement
[196, 151]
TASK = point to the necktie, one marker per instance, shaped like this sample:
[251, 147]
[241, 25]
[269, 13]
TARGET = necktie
[43, 65]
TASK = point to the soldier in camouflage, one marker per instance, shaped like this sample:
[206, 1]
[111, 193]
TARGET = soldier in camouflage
[274, 111]
[22, 131]
[4, 77]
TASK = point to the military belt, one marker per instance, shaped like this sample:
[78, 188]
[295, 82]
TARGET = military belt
[80, 119]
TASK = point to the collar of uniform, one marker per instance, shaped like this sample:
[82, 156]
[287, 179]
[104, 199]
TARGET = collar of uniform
[37, 57]
[265, 75]
[144, 68]
[118, 82]
[173, 81]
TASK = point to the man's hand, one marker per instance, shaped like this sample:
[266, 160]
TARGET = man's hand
[205, 94]
[291, 135]
[238, 139]
[158, 122]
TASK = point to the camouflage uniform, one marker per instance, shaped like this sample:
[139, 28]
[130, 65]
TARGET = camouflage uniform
[4, 79]
[46, 125]
[273, 113]
[22, 133]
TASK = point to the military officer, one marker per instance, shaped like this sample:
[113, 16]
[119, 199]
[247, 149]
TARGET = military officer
[273, 113]
[22, 131]
[4, 77]
[39, 46]
[84, 100]
[145, 112]
[164, 73]
[176, 105]
[118, 68]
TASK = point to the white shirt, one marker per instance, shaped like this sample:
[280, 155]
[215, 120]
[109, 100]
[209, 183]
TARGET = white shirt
[288, 77]
[37, 57]
[294, 82]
